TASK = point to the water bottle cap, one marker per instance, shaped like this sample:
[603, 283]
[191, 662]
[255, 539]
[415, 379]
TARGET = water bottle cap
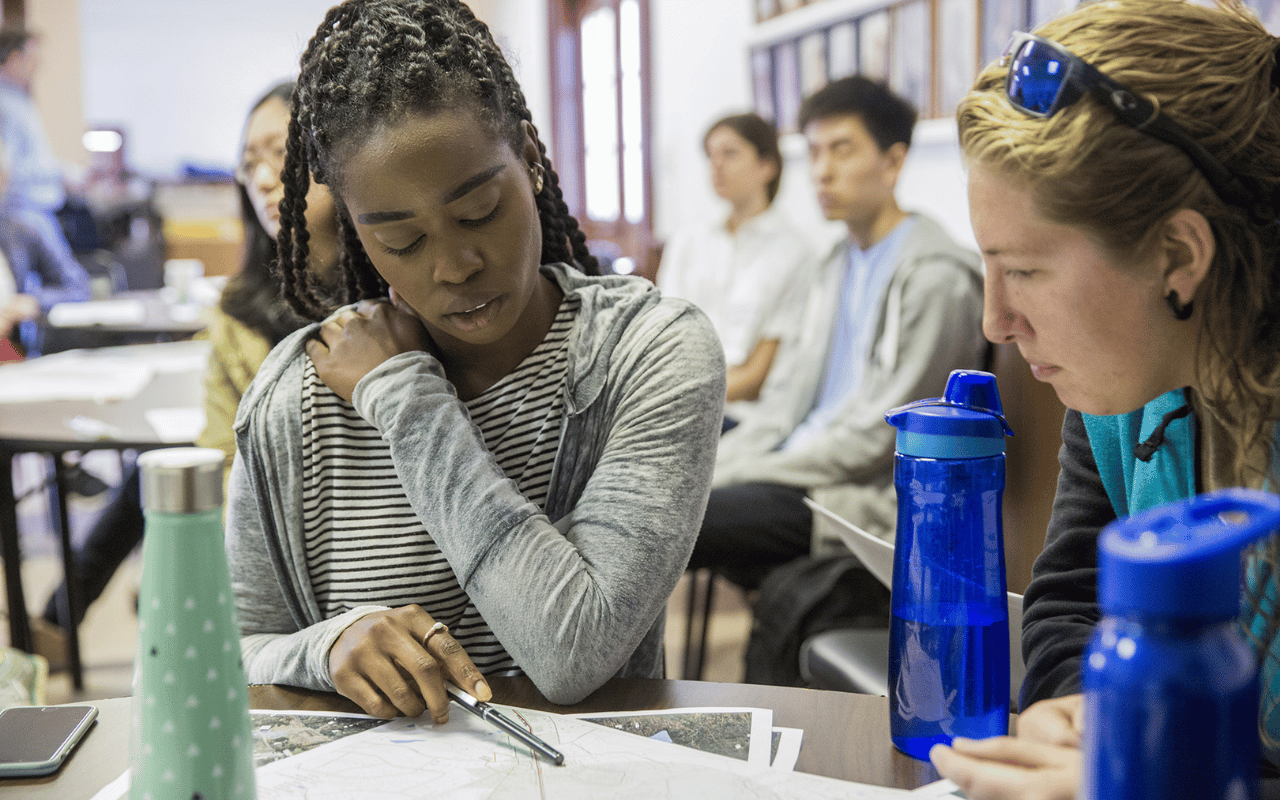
[1182, 560]
[181, 480]
[966, 422]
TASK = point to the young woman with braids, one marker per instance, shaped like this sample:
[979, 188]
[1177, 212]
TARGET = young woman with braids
[1138, 271]
[491, 462]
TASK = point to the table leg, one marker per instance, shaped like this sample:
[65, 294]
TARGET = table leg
[71, 601]
[11, 552]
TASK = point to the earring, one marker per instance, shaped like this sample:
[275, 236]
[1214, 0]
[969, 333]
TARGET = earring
[1180, 312]
[536, 172]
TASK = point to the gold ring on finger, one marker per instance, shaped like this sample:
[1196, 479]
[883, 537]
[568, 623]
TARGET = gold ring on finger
[439, 627]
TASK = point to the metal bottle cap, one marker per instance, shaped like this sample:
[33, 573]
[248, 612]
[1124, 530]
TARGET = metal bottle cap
[181, 480]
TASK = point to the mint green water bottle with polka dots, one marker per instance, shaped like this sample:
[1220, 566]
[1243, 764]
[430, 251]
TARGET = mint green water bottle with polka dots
[191, 709]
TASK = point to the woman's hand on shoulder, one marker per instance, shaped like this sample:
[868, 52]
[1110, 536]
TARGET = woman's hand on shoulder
[1008, 768]
[396, 662]
[354, 342]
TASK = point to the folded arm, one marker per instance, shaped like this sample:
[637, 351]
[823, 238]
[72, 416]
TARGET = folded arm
[571, 601]
[934, 327]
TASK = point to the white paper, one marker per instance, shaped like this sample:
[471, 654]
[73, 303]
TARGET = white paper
[176, 424]
[97, 312]
[938, 790]
[468, 758]
[100, 375]
[788, 752]
[116, 790]
[188, 356]
[98, 380]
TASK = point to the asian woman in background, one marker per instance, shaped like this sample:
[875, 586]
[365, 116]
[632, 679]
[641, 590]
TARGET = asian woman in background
[746, 270]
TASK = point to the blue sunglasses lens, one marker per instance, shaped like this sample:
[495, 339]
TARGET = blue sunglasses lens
[1036, 75]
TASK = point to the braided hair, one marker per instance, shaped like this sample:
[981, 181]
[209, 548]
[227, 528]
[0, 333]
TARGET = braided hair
[375, 60]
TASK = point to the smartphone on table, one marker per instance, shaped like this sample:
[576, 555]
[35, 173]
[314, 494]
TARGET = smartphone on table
[35, 740]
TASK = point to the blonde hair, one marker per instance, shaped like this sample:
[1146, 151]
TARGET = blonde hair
[1210, 70]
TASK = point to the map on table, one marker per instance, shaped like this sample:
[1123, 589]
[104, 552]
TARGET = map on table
[280, 734]
[468, 758]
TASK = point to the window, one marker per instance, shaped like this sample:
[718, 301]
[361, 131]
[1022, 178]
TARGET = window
[600, 81]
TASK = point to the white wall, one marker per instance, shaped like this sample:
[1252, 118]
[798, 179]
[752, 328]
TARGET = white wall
[180, 75]
[700, 73]
[520, 28]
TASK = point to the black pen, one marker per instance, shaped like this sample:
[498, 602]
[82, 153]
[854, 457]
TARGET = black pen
[494, 717]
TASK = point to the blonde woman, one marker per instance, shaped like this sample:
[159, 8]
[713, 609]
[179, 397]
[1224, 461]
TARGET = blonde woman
[1123, 165]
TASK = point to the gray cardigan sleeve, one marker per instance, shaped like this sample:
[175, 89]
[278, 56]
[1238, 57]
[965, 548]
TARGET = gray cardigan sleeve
[571, 601]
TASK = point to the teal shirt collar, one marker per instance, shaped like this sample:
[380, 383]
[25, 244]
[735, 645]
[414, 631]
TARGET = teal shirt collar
[1168, 474]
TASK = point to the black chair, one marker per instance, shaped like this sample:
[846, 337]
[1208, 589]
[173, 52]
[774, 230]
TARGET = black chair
[702, 586]
[847, 660]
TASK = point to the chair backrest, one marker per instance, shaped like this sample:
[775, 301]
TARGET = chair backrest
[1035, 413]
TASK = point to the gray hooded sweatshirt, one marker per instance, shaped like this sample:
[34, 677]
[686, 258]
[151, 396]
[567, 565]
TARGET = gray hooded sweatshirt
[930, 322]
[576, 591]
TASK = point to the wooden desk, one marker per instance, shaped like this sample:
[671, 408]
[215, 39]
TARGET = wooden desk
[845, 735]
[41, 427]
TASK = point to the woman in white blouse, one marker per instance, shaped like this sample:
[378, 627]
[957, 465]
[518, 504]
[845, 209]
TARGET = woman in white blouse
[741, 269]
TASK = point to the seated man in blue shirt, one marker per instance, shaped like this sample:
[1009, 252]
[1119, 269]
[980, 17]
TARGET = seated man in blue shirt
[892, 309]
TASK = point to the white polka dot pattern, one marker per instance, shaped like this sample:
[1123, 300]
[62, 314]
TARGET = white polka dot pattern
[191, 722]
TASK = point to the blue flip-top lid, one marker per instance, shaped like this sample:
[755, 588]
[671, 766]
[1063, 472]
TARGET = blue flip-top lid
[1182, 560]
[966, 422]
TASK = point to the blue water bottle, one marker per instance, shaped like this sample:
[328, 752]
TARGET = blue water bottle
[949, 630]
[1171, 686]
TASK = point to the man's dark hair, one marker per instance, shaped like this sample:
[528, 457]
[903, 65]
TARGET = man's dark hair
[12, 39]
[888, 118]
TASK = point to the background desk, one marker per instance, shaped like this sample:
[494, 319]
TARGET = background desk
[845, 735]
[161, 320]
[41, 427]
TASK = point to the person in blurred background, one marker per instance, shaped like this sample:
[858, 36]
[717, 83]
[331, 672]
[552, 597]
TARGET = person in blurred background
[33, 277]
[745, 270]
[30, 234]
[250, 319]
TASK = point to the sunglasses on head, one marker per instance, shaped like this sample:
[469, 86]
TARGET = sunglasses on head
[1044, 78]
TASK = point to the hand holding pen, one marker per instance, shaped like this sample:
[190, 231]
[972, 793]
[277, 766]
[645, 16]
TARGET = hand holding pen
[395, 662]
[505, 724]
[375, 654]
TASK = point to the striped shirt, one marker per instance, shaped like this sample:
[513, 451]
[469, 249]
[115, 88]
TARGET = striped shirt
[366, 546]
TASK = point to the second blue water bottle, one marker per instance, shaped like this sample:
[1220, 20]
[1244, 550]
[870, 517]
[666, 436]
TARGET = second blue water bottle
[949, 630]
